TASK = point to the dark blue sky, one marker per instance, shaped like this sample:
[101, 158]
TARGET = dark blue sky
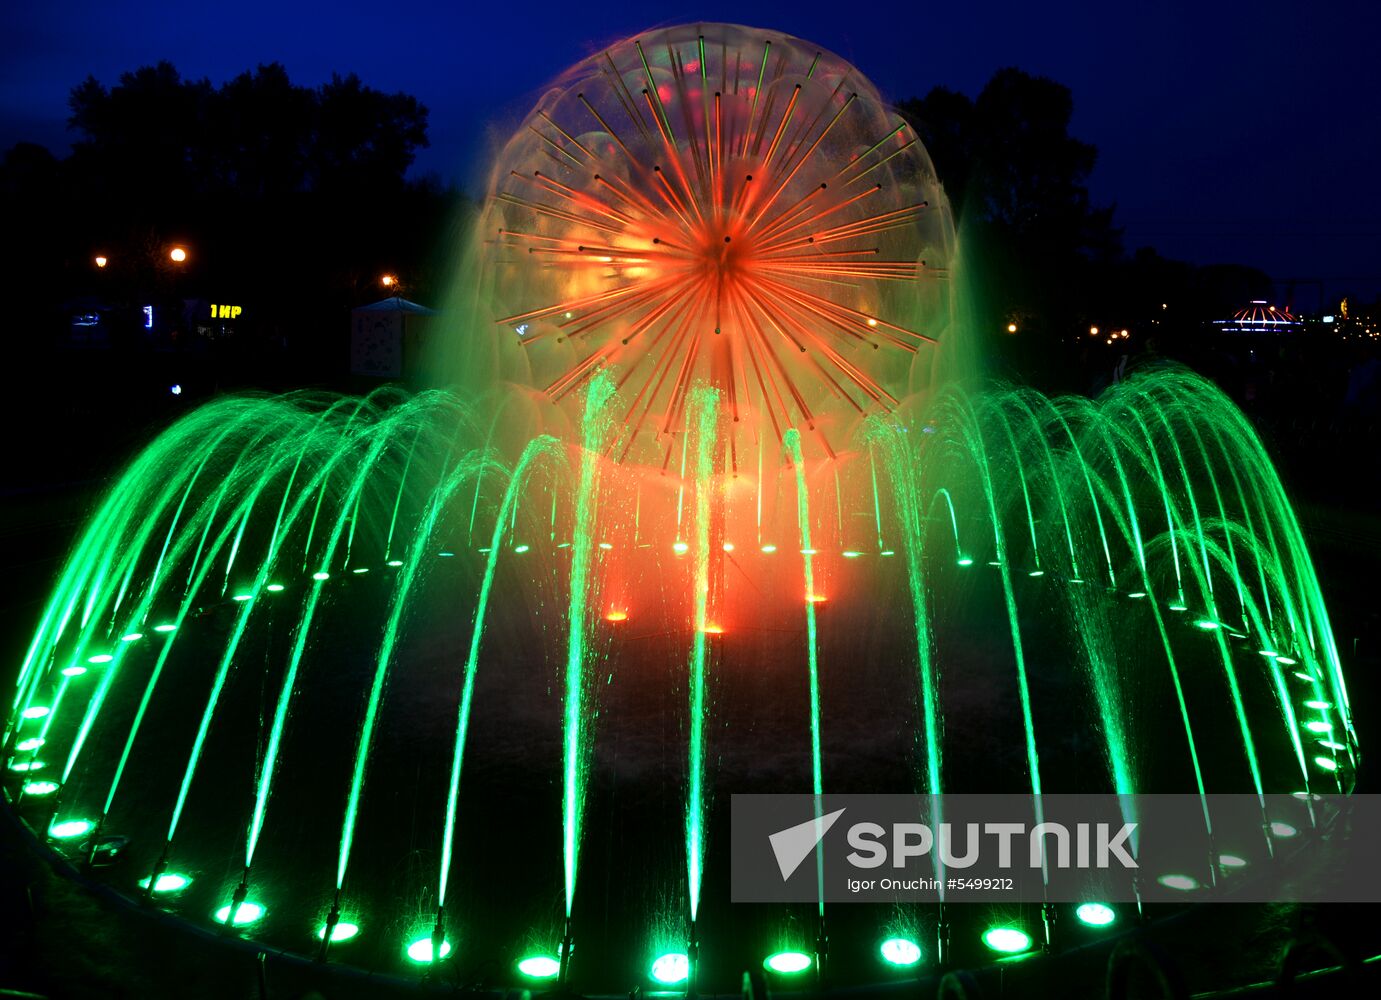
[1246, 132]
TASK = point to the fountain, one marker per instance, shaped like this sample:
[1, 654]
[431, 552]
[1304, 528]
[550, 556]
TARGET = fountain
[713, 501]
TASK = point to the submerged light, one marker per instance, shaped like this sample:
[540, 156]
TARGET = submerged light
[539, 967]
[1284, 830]
[132, 637]
[32, 743]
[769, 549]
[680, 548]
[1232, 861]
[788, 963]
[520, 549]
[23, 766]
[1327, 763]
[165, 627]
[35, 712]
[1095, 914]
[421, 949]
[40, 787]
[245, 913]
[321, 574]
[167, 882]
[274, 588]
[964, 561]
[1182, 883]
[900, 951]
[671, 968]
[1207, 624]
[1008, 940]
[70, 828]
[343, 931]
[100, 658]
[73, 671]
[616, 616]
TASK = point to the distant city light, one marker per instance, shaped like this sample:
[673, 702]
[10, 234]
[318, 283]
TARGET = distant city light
[175, 388]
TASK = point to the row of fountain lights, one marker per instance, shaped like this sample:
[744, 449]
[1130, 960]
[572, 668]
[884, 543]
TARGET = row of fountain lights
[1320, 729]
[673, 967]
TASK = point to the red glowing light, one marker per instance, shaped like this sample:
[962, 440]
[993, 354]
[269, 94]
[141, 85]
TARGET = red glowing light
[713, 629]
[616, 616]
[816, 598]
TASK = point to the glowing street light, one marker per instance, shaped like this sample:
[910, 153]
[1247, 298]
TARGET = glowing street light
[1011, 328]
[101, 260]
[178, 255]
[388, 280]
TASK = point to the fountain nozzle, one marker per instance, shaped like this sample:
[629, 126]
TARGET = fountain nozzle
[159, 867]
[241, 893]
[822, 948]
[693, 963]
[942, 941]
[565, 954]
[332, 919]
[438, 937]
[1048, 918]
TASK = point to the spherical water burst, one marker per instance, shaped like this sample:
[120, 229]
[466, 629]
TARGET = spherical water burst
[721, 203]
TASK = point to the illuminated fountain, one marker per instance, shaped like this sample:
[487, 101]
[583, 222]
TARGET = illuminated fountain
[713, 483]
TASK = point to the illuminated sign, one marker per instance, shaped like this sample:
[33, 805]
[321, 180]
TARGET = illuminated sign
[223, 311]
[148, 317]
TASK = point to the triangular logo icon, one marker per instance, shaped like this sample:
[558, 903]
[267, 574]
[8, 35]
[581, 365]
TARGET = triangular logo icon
[794, 844]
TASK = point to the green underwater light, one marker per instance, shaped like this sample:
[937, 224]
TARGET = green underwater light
[100, 658]
[420, 951]
[40, 787]
[1008, 940]
[1327, 763]
[321, 574]
[274, 588]
[32, 743]
[900, 951]
[671, 968]
[132, 637]
[1284, 830]
[1181, 883]
[165, 627]
[787, 963]
[73, 671]
[246, 913]
[1232, 861]
[539, 967]
[34, 712]
[343, 931]
[70, 829]
[168, 882]
[1095, 914]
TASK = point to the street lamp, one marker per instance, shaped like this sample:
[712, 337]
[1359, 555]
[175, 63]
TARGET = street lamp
[178, 255]
[388, 281]
[101, 260]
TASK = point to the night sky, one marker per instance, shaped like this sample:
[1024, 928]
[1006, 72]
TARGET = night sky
[1242, 132]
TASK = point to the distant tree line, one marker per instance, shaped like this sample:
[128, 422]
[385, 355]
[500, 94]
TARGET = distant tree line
[1043, 255]
[295, 198]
